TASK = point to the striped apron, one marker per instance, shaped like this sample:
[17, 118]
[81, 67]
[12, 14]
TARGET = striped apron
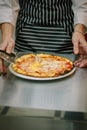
[44, 25]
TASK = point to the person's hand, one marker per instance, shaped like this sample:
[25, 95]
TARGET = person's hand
[81, 62]
[80, 47]
[79, 43]
[8, 46]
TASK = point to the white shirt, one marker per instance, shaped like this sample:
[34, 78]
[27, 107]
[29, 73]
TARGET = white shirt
[9, 11]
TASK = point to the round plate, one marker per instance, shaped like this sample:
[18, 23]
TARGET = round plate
[36, 78]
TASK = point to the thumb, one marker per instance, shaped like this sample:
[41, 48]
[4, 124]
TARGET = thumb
[3, 46]
[83, 47]
[76, 48]
[83, 42]
[10, 46]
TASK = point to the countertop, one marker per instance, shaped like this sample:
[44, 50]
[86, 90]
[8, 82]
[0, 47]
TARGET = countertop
[67, 94]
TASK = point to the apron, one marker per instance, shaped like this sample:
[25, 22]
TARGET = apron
[44, 25]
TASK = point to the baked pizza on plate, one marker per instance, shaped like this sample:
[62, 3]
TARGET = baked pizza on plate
[42, 65]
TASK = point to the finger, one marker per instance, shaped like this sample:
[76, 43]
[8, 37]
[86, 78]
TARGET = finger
[76, 48]
[77, 63]
[3, 46]
[83, 41]
[86, 36]
[3, 69]
[1, 66]
[10, 46]
[83, 63]
[79, 60]
[83, 49]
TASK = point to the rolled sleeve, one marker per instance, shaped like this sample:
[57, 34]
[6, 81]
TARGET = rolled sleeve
[80, 11]
[9, 11]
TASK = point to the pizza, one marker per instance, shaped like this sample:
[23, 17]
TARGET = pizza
[42, 65]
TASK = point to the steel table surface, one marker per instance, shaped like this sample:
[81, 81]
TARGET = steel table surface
[67, 94]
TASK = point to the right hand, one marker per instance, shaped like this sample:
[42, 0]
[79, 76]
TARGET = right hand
[8, 46]
[79, 42]
[82, 61]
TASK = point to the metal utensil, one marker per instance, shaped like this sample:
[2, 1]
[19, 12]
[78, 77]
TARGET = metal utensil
[7, 57]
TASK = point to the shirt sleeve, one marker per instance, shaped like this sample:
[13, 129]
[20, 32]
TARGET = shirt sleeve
[9, 11]
[80, 11]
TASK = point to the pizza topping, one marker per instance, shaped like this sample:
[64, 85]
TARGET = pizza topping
[42, 65]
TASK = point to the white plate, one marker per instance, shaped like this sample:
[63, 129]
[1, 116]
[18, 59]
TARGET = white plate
[35, 78]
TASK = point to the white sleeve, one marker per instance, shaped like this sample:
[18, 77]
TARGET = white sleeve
[9, 11]
[80, 11]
